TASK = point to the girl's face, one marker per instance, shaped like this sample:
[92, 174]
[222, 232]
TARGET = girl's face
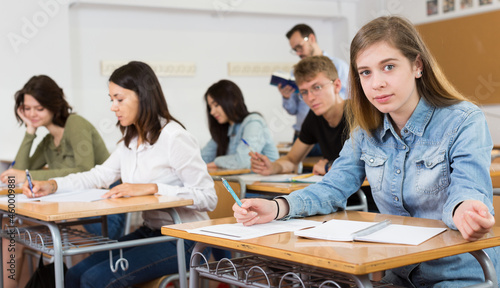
[36, 113]
[388, 79]
[125, 104]
[217, 112]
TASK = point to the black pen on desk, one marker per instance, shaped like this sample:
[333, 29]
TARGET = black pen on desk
[28, 177]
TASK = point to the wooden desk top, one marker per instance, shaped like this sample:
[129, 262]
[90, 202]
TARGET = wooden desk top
[53, 211]
[356, 258]
[276, 187]
[283, 188]
[227, 172]
[17, 190]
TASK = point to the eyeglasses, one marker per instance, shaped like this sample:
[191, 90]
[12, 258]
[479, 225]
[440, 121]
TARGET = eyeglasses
[299, 48]
[315, 90]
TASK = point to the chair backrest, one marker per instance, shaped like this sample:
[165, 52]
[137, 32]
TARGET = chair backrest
[496, 205]
[225, 200]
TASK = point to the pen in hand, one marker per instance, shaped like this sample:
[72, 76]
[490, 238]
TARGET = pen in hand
[12, 164]
[28, 176]
[248, 145]
[228, 188]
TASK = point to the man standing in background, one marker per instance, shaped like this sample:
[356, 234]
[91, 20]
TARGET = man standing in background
[304, 44]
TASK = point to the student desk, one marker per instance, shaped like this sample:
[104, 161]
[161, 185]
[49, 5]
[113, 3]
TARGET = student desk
[227, 172]
[63, 240]
[5, 191]
[337, 260]
[280, 187]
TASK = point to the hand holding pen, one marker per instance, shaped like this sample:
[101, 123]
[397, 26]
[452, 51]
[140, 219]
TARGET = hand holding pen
[39, 188]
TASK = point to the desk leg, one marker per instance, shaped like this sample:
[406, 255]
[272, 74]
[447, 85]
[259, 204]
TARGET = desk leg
[1, 248]
[181, 253]
[58, 259]
[490, 274]
[181, 263]
[194, 277]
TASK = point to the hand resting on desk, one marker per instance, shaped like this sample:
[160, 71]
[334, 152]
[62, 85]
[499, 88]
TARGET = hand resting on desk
[473, 219]
[19, 175]
[44, 188]
[128, 189]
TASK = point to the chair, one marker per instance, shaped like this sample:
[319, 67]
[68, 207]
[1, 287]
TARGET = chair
[224, 200]
[363, 205]
[496, 205]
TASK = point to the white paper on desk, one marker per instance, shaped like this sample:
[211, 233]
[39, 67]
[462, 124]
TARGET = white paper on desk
[341, 230]
[239, 232]
[87, 195]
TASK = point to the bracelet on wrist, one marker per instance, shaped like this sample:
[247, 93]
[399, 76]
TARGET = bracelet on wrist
[278, 212]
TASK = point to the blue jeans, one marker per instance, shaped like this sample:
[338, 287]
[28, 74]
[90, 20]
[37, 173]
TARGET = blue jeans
[116, 223]
[146, 263]
[116, 226]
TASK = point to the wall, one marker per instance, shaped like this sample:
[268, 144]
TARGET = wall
[79, 36]
[415, 10]
[35, 40]
[68, 42]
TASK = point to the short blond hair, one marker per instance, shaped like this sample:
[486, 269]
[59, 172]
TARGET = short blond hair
[311, 66]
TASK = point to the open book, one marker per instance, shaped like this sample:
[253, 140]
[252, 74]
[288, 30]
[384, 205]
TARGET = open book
[382, 232]
[283, 79]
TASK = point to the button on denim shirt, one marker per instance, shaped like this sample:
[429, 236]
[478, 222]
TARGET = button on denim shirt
[441, 159]
[255, 131]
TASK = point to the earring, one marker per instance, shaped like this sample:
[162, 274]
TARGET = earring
[421, 72]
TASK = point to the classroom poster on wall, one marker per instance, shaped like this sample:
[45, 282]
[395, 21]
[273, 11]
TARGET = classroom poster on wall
[465, 4]
[432, 7]
[448, 6]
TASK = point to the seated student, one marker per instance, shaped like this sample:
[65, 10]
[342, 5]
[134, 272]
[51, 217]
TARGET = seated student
[424, 149]
[155, 156]
[229, 122]
[72, 145]
[325, 123]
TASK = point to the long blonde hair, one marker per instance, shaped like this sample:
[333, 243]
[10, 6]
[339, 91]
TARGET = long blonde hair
[402, 35]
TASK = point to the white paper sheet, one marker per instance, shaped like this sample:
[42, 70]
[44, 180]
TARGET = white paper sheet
[87, 195]
[239, 232]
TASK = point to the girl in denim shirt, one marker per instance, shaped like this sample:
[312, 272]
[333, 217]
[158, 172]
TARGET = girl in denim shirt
[229, 122]
[424, 149]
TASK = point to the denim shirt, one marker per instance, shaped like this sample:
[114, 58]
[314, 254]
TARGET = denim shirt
[255, 131]
[441, 159]
[299, 108]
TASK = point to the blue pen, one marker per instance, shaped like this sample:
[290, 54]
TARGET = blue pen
[228, 188]
[12, 164]
[28, 176]
[248, 145]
